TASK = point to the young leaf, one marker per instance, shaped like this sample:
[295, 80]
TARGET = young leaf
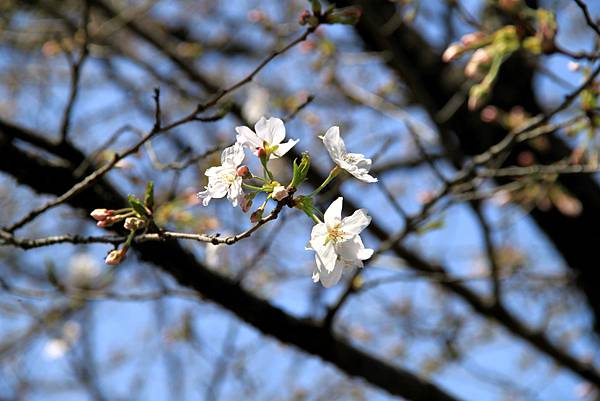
[149, 196]
[137, 206]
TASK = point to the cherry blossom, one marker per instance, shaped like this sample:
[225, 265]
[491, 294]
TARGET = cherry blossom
[223, 180]
[268, 137]
[354, 163]
[337, 243]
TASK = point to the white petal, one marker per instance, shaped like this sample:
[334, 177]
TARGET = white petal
[248, 138]
[271, 131]
[363, 176]
[204, 196]
[315, 275]
[318, 232]
[216, 189]
[329, 279]
[283, 148]
[333, 214]
[353, 225]
[319, 243]
[334, 144]
[215, 171]
[360, 161]
[353, 251]
[325, 255]
[238, 155]
[233, 155]
[235, 192]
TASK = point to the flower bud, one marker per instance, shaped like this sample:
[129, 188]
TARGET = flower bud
[256, 216]
[105, 223]
[300, 170]
[480, 58]
[509, 5]
[472, 38]
[242, 171]
[245, 204]
[490, 114]
[478, 95]
[280, 192]
[133, 223]
[101, 214]
[453, 52]
[306, 18]
[346, 15]
[115, 257]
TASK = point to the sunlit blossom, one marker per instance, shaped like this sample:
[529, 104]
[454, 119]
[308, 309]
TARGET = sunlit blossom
[267, 136]
[337, 243]
[354, 163]
[223, 180]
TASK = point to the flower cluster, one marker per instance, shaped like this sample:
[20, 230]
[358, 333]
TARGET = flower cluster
[135, 218]
[335, 241]
[490, 50]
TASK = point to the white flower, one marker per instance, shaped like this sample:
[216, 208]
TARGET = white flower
[280, 192]
[337, 243]
[224, 180]
[354, 163]
[268, 136]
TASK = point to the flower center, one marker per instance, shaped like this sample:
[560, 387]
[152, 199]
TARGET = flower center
[335, 233]
[349, 159]
[228, 178]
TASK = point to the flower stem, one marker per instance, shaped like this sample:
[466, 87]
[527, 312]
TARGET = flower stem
[268, 175]
[252, 187]
[313, 217]
[334, 173]
[255, 177]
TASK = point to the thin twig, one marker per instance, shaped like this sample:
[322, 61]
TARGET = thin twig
[76, 68]
[157, 129]
[587, 16]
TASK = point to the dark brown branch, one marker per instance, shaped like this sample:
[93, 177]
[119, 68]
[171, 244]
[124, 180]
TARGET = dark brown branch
[183, 266]
[588, 18]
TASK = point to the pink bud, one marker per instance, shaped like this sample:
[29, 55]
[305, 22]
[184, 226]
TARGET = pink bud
[101, 214]
[304, 17]
[105, 223]
[115, 257]
[256, 216]
[261, 152]
[480, 58]
[472, 38]
[245, 204]
[452, 52]
[489, 114]
[526, 158]
[242, 171]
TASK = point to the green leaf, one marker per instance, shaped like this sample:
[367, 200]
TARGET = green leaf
[137, 206]
[316, 6]
[346, 15]
[149, 196]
